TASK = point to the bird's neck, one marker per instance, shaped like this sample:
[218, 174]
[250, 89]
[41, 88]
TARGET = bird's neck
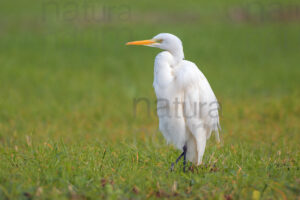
[177, 54]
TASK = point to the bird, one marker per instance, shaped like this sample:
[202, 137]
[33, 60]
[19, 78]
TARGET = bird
[187, 107]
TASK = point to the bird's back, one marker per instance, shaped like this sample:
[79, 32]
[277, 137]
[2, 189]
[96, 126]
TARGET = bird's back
[200, 108]
[200, 100]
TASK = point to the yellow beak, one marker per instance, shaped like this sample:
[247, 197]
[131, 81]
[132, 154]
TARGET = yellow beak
[141, 42]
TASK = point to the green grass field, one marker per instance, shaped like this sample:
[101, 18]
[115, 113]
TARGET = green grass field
[68, 83]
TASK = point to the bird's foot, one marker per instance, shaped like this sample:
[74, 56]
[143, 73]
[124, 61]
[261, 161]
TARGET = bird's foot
[172, 167]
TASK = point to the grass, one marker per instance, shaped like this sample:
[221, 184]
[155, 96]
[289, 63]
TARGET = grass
[68, 83]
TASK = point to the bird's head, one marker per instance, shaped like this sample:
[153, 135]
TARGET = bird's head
[165, 41]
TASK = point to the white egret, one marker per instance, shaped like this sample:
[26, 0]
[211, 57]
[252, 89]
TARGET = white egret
[186, 105]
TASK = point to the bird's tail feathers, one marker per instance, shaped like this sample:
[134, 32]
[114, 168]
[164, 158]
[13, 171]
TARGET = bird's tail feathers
[217, 136]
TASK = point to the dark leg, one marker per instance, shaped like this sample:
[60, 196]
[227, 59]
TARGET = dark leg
[184, 157]
[173, 164]
[183, 154]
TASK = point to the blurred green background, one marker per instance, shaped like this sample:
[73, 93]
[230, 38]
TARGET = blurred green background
[68, 83]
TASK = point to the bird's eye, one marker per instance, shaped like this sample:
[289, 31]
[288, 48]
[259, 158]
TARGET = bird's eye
[159, 41]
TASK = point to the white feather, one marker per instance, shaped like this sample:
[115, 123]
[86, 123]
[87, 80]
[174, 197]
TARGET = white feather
[187, 107]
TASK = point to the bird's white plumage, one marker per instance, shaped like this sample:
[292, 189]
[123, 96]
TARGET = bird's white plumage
[186, 105]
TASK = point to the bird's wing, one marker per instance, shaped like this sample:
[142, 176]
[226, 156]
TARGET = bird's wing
[200, 103]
